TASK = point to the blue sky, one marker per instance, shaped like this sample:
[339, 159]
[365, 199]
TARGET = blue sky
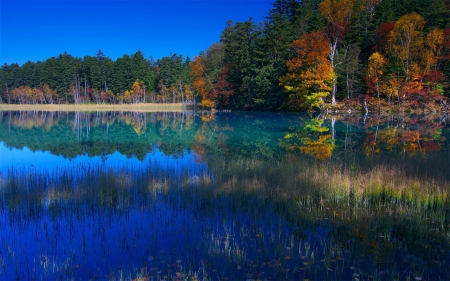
[36, 30]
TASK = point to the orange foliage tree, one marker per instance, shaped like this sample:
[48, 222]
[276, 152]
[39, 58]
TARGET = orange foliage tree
[417, 57]
[310, 73]
[338, 14]
[201, 85]
[433, 56]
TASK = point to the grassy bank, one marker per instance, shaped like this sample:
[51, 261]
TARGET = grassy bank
[142, 107]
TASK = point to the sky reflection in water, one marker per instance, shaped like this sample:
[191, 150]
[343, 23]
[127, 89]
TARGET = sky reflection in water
[45, 161]
[163, 214]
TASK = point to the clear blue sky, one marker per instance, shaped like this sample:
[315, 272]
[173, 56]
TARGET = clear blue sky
[36, 30]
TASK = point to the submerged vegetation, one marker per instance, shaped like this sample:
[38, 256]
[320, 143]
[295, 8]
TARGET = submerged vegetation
[243, 219]
[372, 218]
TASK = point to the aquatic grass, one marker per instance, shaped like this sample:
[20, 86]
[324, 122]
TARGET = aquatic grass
[380, 185]
[341, 218]
[386, 208]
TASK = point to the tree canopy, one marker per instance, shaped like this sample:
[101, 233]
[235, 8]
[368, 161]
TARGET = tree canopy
[386, 51]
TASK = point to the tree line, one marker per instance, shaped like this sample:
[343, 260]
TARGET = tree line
[99, 79]
[305, 54]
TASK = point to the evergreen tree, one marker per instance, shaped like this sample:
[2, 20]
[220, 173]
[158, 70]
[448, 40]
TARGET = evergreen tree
[309, 17]
[240, 49]
[8, 80]
[121, 78]
[272, 53]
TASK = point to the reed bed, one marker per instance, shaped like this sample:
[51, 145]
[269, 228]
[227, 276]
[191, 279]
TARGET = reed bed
[372, 214]
[253, 219]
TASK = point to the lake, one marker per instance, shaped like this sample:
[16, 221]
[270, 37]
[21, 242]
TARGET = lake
[223, 196]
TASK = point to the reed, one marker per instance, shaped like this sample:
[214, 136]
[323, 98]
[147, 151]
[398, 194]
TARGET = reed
[373, 212]
[343, 221]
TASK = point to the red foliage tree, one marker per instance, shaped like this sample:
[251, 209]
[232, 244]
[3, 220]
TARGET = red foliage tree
[223, 89]
[382, 36]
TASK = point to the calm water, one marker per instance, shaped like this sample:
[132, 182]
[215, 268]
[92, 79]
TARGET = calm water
[161, 196]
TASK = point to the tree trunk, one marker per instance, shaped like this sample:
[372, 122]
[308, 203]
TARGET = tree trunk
[333, 49]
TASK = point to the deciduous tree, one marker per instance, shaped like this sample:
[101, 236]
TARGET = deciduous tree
[338, 14]
[138, 89]
[405, 43]
[375, 71]
[223, 89]
[201, 85]
[310, 73]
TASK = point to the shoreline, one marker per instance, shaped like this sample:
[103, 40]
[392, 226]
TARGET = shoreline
[141, 107]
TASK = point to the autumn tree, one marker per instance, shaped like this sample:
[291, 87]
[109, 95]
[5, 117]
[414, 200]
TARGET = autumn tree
[310, 73]
[433, 57]
[431, 73]
[201, 83]
[188, 93]
[391, 86]
[50, 96]
[138, 89]
[223, 89]
[405, 43]
[24, 95]
[416, 57]
[375, 71]
[338, 14]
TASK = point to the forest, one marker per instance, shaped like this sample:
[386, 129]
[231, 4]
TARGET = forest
[306, 54]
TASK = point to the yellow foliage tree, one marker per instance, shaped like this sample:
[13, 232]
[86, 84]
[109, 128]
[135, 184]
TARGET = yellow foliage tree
[391, 88]
[138, 90]
[432, 55]
[310, 73]
[418, 57]
[188, 94]
[375, 71]
[405, 42]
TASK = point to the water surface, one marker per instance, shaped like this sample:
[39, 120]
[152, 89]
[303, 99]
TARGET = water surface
[197, 195]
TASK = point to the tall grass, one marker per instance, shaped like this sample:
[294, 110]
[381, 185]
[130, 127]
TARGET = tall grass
[373, 214]
[341, 221]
